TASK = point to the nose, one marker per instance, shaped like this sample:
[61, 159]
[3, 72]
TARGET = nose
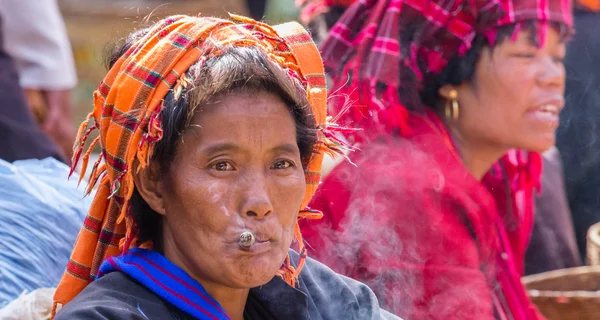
[551, 73]
[256, 202]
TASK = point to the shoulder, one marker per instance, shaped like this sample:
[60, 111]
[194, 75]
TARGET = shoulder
[334, 296]
[114, 296]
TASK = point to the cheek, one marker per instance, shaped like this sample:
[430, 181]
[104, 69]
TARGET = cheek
[500, 94]
[287, 199]
[499, 80]
[199, 209]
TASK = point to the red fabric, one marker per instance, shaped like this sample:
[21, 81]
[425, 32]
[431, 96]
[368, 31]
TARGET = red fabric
[412, 223]
[517, 207]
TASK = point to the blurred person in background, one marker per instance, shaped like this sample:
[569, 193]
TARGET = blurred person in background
[553, 245]
[40, 210]
[36, 60]
[257, 8]
[578, 137]
[437, 214]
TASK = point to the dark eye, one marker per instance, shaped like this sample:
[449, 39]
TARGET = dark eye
[223, 166]
[282, 164]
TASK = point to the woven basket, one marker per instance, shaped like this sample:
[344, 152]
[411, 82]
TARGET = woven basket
[593, 245]
[566, 294]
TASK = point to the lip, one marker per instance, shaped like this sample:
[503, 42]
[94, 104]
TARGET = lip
[258, 235]
[547, 112]
[258, 247]
[557, 102]
[263, 240]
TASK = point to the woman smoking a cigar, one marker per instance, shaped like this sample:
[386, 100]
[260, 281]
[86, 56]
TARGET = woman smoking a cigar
[212, 135]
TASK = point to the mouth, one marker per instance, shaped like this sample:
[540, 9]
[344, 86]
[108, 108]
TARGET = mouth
[262, 243]
[549, 109]
[258, 247]
[547, 112]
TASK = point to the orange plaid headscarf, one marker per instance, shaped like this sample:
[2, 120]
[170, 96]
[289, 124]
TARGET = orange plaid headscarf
[589, 5]
[127, 109]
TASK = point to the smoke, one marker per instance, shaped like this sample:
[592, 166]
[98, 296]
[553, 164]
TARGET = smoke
[400, 235]
[579, 131]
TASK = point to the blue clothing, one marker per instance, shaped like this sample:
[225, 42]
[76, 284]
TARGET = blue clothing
[127, 292]
[41, 213]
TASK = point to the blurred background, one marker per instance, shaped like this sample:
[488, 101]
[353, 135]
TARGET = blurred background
[94, 25]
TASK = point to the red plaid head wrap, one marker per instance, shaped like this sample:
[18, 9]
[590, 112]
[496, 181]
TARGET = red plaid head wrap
[127, 113]
[363, 50]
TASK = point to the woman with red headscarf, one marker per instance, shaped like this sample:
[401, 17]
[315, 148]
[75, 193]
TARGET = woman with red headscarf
[435, 211]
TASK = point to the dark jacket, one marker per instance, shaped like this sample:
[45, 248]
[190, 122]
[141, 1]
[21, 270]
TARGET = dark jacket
[553, 245]
[578, 137]
[321, 294]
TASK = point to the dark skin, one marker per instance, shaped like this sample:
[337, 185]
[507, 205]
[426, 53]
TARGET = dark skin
[237, 168]
[513, 101]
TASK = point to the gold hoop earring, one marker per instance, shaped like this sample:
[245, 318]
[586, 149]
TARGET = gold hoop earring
[452, 108]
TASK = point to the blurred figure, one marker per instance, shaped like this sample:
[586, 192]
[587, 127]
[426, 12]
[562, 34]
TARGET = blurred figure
[42, 57]
[578, 137]
[553, 245]
[438, 211]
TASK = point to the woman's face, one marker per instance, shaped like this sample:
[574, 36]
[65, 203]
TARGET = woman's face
[515, 96]
[238, 168]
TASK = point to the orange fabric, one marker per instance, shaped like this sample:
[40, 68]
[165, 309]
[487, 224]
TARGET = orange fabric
[127, 114]
[591, 5]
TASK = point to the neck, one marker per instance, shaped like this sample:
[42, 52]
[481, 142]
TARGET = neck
[478, 158]
[233, 300]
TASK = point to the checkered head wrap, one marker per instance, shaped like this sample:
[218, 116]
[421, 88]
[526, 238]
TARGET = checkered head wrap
[377, 44]
[127, 114]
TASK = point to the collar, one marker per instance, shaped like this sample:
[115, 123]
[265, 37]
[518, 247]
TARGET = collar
[172, 284]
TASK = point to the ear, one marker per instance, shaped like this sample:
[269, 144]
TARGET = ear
[447, 91]
[150, 186]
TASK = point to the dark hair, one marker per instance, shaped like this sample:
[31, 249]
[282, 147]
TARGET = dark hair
[237, 69]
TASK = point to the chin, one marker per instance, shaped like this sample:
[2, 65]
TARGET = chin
[539, 144]
[255, 273]
[253, 279]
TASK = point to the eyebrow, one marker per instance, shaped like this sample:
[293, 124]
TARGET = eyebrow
[286, 148]
[224, 147]
[221, 147]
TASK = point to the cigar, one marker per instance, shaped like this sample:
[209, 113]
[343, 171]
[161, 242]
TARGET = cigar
[246, 239]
